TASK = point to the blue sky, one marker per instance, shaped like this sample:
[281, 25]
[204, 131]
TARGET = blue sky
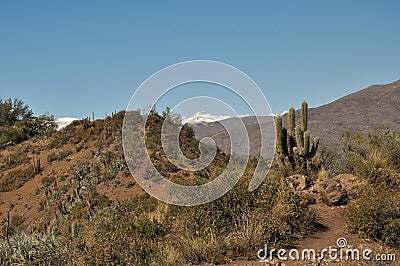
[70, 58]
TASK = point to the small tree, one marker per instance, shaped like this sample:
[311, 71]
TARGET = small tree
[17, 122]
[12, 111]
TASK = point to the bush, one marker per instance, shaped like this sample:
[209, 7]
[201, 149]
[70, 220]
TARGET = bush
[18, 123]
[58, 156]
[240, 222]
[375, 215]
[374, 158]
[364, 154]
[125, 236]
[48, 180]
[15, 179]
[34, 249]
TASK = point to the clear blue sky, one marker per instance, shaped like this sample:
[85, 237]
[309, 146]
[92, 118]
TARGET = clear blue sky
[70, 58]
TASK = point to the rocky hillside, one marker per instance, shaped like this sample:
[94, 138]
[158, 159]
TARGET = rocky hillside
[362, 111]
[80, 166]
[67, 198]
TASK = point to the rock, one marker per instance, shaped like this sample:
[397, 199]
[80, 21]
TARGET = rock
[331, 192]
[337, 195]
[352, 184]
[299, 182]
[337, 191]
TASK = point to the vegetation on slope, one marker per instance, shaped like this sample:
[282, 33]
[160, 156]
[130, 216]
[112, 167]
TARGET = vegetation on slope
[17, 122]
[79, 225]
[80, 205]
[375, 158]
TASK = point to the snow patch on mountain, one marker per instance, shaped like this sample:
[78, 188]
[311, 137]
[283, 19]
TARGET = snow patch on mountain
[283, 113]
[202, 117]
[64, 121]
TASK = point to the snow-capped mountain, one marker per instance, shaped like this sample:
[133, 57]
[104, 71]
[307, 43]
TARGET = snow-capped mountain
[64, 121]
[283, 113]
[202, 117]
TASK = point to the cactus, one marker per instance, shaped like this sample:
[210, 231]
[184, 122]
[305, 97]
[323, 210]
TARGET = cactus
[303, 116]
[293, 145]
[76, 193]
[36, 166]
[74, 229]
[86, 123]
[54, 232]
[7, 227]
[62, 208]
[291, 121]
[278, 130]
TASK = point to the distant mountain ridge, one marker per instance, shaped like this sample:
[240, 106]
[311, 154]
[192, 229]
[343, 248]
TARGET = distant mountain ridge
[363, 111]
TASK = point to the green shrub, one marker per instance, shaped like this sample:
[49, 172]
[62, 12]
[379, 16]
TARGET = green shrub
[18, 123]
[241, 222]
[33, 249]
[48, 180]
[58, 156]
[124, 236]
[374, 158]
[375, 215]
[15, 179]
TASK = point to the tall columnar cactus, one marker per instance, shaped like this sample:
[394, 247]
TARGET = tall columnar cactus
[293, 145]
[291, 132]
[74, 229]
[303, 116]
[54, 232]
[291, 121]
[279, 148]
[36, 165]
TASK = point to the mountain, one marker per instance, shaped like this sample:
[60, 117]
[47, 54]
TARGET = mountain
[217, 132]
[64, 121]
[202, 117]
[363, 111]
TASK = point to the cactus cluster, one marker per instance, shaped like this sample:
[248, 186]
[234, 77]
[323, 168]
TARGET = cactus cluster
[62, 208]
[293, 143]
[36, 165]
[86, 123]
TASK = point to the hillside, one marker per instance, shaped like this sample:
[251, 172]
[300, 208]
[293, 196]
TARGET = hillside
[360, 112]
[217, 132]
[68, 198]
[38, 196]
[43, 177]
[72, 201]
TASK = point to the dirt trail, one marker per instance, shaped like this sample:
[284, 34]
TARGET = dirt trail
[333, 226]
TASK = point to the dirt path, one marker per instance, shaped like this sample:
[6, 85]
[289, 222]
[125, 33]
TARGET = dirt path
[333, 226]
